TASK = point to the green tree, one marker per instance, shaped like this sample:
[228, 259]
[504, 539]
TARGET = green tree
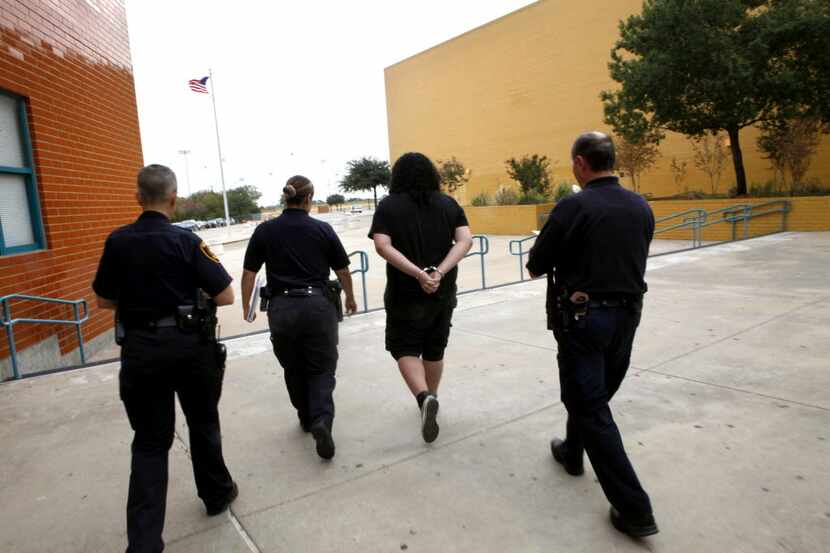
[201, 206]
[710, 156]
[366, 174]
[242, 201]
[704, 66]
[531, 172]
[790, 147]
[635, 158]
[453, 174]
[335, 200]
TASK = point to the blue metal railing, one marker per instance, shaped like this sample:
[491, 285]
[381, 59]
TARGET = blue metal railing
[364, 268]
[696, 220]
[744, 213]
[516, 247]
[691, 218]
[8, 323]
[483, 250]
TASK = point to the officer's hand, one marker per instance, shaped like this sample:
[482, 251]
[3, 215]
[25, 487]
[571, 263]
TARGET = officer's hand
[351, 306]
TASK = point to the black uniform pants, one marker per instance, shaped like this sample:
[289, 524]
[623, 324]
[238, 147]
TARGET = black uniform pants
[304, 335]
[155, 366]
[594, 354]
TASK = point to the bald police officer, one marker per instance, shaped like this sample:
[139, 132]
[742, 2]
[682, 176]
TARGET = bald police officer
[152, 273]
[593, 249]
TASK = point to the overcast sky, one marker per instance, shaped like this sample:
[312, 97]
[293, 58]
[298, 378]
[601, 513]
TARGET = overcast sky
[299, 85]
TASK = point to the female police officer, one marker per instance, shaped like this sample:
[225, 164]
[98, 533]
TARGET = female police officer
[298, 252]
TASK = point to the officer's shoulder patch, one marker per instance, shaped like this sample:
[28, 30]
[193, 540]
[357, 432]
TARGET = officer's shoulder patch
[207, 253]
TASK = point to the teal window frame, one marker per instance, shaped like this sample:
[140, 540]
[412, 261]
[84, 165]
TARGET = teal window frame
[30, 178]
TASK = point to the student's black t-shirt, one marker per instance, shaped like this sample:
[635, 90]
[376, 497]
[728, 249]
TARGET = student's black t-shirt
[424, 234]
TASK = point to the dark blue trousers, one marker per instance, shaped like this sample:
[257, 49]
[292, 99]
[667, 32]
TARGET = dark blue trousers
[155, 366]
[304, 335]
[594, 354]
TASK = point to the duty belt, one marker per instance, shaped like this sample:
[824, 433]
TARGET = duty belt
[301, 292]
[611, 302]
[164, 322]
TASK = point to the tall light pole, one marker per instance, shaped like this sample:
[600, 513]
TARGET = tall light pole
[185, 153]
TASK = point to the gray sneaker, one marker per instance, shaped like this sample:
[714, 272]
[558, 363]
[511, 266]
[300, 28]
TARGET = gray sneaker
[429, 424]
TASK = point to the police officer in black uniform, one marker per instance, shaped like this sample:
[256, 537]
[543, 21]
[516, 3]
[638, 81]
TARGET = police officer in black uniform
[594, 249]
[156, 276]
[298, 252]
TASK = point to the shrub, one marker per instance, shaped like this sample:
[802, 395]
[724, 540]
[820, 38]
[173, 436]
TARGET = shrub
[481, 200]
[563, 190]
[506, 196]
[531, 172]
[811, 187]
[533, 197]
[766, 189]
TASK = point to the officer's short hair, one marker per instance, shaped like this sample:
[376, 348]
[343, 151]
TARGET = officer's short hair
[156, 183]
[297, 189]
[597, 149]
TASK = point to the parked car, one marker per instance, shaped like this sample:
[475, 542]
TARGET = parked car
[189, 224]
[356, 209]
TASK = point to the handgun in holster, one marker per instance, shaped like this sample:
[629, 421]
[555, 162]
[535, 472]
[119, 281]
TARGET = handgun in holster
[200, 317]
[571, 307]
[333, 291]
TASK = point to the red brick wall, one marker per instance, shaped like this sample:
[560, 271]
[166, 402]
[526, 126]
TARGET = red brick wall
[70, 59]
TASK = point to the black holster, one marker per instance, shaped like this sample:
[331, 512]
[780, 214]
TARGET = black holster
[568, 312]
[120, 331]
[333, 291]
[199, 318]
[265, 294]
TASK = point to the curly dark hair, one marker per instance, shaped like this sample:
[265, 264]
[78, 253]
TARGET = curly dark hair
[416, 175]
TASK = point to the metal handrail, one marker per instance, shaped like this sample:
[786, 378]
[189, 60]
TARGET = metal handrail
[744, 213]
[483, 249]
[692, 218]
[8, 323]
[364, 268]
[521, 253]
[696, 219]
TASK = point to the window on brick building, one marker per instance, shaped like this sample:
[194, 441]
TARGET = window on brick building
[21, 228]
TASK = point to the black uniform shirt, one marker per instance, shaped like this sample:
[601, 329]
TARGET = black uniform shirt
[423, 233]
[597, 241]
[154, 265]
[297, 249]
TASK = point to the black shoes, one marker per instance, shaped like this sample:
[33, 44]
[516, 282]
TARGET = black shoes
[221, 507]
[429, 424]
[560, 453]
[325, 443]
[638, 527]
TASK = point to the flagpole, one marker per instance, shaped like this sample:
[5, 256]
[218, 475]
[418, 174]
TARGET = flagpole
[219, 148]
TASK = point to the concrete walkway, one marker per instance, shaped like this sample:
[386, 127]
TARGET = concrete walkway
[726, 415]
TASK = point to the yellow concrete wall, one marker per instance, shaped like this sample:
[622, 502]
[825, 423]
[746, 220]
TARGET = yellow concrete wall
[529, 83]
[806, 214]
[513, 220]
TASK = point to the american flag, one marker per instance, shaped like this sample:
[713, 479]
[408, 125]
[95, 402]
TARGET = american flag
[198, 85]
